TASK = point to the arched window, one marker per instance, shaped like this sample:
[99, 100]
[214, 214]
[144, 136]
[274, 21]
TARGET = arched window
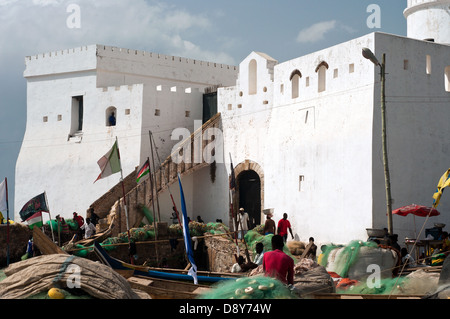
[252, 77]
[322, 74]
[110, 116]
[295, 82]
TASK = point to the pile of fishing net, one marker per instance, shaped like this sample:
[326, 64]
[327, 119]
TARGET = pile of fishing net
[351, 261]
[256, 287]
[53, 224]
[147, 232]
[35, 277]
[199, 229]
[217, 228]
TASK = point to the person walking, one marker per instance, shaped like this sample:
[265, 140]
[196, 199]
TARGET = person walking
[283, 226]
[269, 225]
[242, 221]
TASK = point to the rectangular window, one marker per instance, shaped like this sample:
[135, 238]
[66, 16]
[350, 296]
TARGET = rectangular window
[351, 68]
[230, 107]
[301, 178]
[428, 64]
[157, 112]
[405, 64]
[45, 119]
[127, 111]
[76, 115]
[335, 73]
[307, 81]
[447, 78]
[59, 117]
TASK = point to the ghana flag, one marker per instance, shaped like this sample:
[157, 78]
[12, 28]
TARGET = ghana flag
[144, 170]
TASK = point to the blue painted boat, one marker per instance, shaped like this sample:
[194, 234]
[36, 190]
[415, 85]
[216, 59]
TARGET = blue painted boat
[117, 264]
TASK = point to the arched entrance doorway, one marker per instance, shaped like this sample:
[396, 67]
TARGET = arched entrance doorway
[249, 192]
[249, 188]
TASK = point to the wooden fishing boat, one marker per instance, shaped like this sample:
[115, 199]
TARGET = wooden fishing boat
[119, 265]
[167, 289]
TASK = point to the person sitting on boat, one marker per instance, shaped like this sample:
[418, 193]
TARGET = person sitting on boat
[237, 266]
[259, 248]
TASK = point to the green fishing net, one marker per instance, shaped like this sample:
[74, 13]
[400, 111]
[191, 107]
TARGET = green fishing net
[199, 229]
[253, 237]
[346, 258]
[255, 287]
[385, 286]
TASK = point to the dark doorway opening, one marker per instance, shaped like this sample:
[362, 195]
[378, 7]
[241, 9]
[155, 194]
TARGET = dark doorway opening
[249, 185]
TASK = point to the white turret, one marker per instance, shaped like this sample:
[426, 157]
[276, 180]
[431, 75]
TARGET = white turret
[428, 20]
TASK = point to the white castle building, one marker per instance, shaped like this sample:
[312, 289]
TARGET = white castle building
[304, 135]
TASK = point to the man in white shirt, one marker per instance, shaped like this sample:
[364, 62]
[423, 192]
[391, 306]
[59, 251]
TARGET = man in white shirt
[242, 221]
[89, 228]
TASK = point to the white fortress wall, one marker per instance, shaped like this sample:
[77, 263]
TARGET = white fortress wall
[318, 150]
[417, 104]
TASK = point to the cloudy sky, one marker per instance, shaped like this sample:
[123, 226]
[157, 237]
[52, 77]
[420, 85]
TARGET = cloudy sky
[218, 31]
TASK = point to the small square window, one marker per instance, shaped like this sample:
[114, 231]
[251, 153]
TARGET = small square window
[157, 112]
[230, 107]
[351, 68]
[335, 73]
[187, 113]
[59, 117]
[307, 81]
[405, 64]
[127, 111]
[45, 119]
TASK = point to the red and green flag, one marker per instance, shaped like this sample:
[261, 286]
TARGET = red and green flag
[144, 170]
[33, 206]
[109, 163]
[35, 220]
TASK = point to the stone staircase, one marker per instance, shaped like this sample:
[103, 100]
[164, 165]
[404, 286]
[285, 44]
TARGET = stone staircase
[111, 204]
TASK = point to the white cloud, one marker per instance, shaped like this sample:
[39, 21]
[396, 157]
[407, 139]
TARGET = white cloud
[316, 32]
[36, 26]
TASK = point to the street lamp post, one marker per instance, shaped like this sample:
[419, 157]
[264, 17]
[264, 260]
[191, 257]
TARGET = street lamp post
[370, 56]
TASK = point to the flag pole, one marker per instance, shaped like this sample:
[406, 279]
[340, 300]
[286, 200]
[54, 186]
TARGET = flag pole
[124, 201]
[154, 171]
[153, 197]
[49, 216]
[232, 187]
[167, 180]
[123, 188]
[7, 223]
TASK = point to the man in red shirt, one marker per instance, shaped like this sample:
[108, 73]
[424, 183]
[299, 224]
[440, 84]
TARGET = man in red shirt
[283, 226]
[277, 264]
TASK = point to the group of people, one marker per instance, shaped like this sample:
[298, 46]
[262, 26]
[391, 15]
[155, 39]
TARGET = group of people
[88, 227]
[275, 263]
[283, 228]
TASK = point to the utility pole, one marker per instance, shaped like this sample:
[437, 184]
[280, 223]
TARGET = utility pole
[369, 55]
